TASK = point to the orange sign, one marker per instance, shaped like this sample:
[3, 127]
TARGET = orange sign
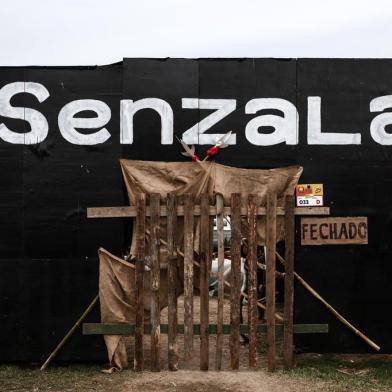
[309, 195]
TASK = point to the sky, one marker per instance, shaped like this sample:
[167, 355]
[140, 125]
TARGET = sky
[98, 32]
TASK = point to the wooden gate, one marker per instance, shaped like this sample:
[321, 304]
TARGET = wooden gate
[185, 208]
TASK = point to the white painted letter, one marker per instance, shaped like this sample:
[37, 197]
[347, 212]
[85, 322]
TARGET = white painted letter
[128, 108]
[38, 123]
[286, 127]
[377, 126]
[315, 136]
[67, 122]
[195, 134]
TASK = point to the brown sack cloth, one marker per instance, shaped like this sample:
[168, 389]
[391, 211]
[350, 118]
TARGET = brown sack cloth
[117, 297]
[212, 178]
[116, 281]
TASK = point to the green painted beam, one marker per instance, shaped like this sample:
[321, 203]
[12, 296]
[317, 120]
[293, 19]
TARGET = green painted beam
[127, 329]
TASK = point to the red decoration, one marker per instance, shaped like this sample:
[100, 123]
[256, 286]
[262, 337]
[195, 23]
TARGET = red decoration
[195, 158]
[213, 151]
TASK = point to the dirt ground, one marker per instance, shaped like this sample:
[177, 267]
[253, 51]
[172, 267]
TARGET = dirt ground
[82, 378]
[197, 381]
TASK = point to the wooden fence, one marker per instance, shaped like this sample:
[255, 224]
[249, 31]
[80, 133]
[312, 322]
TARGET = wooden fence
[187, 209]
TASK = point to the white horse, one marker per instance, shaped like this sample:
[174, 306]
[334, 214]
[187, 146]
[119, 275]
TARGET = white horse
[213, 281]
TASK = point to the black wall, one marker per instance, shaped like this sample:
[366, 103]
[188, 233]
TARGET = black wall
[48, 261]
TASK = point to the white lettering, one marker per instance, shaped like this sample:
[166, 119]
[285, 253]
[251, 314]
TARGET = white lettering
[285, 128]
[195, 134]
[377, 126]
[128, 108]
[316, 136]
[38, 123]
[68, 122]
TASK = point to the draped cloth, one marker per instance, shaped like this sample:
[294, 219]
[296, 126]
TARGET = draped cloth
[116, 281]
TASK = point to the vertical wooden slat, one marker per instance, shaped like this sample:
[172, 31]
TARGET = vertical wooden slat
[252, 280]
[188, 275]
[270, 279]
[235, 290]
[139, 280]
[204, 254]
[172, 281]
[221, 285]
[155, 277]
[288, 349]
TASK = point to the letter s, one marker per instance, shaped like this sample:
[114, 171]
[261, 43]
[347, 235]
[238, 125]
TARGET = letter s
[38, 123]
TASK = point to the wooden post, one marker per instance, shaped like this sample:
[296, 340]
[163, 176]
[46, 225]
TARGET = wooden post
[204, 253]
[289, 227]
[139, 280]
[235, 291]
[270, 279]
[221, 286]
[155, 277]
[172, 281]
[252, 280]
[188, 275]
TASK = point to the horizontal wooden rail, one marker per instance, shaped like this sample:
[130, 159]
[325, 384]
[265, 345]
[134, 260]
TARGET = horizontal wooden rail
[128, 329]
[130, 211]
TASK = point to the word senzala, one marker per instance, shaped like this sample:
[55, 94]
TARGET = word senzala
[285, 126]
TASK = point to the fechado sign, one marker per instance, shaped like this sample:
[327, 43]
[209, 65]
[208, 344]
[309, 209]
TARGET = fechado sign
[334, 231]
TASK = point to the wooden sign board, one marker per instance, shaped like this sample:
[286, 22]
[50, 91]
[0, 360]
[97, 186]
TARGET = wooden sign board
[334, 231]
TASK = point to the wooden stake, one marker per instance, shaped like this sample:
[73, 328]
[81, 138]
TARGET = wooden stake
[70, 333]
[221, 287]
[235, 291]
[155, 279]
[172, 281]
[139, 281]
[270, 279]
[288, 348]
[252, 280]
[204, 305]
[188, 275]
[330, 308]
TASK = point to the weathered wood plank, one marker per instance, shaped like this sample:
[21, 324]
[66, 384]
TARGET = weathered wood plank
[334, 231]
[221, 286]
[130, 211]
[172, 281]
[129, 330]
[155, 280]
[188, 275]
[204, 305]
[288, 349]
[252, 279]
[235, 290]
[270, 280]
[139, 280]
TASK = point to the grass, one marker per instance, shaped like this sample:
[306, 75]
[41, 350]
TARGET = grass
[346, 373]
[340, 373]
[73, 377]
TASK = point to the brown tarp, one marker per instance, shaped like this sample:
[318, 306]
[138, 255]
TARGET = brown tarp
[117, 297]
[116, 284]
[212, 178]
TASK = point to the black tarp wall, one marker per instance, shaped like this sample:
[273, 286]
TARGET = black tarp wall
[48, 249]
